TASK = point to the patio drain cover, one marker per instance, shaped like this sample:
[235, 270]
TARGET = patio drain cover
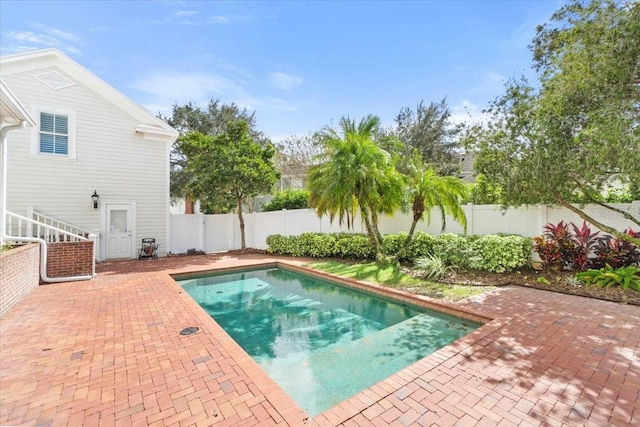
[190, 330]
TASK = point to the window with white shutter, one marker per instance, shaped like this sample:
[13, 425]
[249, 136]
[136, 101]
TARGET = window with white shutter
[54, 134]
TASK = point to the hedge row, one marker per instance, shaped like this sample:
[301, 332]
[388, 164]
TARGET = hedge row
[495, 253]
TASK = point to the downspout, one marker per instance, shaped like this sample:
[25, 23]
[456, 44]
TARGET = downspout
[3, 217]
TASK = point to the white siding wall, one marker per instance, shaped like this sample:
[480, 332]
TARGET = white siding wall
[110, 158]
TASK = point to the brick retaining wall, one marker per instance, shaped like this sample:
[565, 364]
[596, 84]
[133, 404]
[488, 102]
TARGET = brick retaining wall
[19, 274]
[67, 259]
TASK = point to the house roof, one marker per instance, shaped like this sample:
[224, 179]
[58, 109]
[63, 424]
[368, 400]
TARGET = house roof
[12, 112]
[150, 126]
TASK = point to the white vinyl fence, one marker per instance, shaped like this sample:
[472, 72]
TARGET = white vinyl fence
[217, 233]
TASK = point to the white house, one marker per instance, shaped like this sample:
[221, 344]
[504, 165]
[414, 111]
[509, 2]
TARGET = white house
[88, 139]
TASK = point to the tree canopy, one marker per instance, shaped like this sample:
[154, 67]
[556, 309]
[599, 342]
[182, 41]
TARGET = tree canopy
[578, 129]
[295, 155]
[425, 190]
[209, 121]
[230, 166]
[429, 130]
[287, 199]
[354, 174]
[213, 119]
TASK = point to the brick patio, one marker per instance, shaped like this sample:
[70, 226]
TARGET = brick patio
[108, 352]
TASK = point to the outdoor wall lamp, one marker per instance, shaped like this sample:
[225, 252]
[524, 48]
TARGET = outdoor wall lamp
[95, 199]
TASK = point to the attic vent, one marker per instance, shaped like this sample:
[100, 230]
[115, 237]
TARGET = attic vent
[54, 80]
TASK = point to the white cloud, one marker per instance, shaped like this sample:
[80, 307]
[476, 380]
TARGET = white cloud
[46, 37]
[190, 18]
[468, 112]
[494, 78]
[184, 87]
[536, 13]
[30, 37]
[59, 34]
[239, 73]
[100, 29]
[162, 90]
[72, 50]
[284, 81]
[273, 104]
[212, 20]
[185, 13]
[107, 29]
[490, 83]
[219, 20]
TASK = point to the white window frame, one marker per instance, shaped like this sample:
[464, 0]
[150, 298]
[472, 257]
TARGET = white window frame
[71, 129]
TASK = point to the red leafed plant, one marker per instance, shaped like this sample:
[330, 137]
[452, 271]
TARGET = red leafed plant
[548, 251]
[585, 241]
[565, 246]
[616, 252]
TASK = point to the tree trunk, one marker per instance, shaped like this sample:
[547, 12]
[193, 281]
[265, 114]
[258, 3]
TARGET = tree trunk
[188, 205]
[626, 215]
[417, 216]
[370, 230]
[585, 216]
[241, 220]
[376, 231]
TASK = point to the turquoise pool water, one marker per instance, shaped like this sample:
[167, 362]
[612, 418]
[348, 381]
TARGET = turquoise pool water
[321, 342]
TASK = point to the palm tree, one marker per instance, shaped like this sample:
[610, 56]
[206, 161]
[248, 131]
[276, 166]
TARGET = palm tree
[355, 174]
[425, 190]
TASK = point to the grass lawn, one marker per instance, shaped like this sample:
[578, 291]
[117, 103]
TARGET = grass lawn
[394, 277]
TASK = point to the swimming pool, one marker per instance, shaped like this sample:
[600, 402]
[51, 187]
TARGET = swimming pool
[321, 342]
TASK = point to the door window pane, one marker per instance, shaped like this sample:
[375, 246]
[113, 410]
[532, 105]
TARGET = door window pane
[118, 221]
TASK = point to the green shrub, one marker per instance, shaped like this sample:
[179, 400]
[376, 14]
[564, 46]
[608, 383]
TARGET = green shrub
[279, 244]
[482, 192]
[456, 250]
[288, 199]
[625, 277]
[355, 246]
[421, 245]
[325, 246]
[344, 245]
[393, 242]
[307, 244]
[502, 253]
[495, 253]
[303, 244]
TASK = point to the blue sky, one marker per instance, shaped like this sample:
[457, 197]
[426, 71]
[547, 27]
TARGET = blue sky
[300, 65]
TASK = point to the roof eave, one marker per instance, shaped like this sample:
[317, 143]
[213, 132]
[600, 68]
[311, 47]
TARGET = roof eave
[33, 60]
[157, 133]
[13, 112]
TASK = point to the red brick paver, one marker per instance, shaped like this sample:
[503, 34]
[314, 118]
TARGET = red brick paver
[108, 352]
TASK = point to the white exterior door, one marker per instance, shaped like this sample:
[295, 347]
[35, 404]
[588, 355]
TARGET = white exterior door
[119, 230]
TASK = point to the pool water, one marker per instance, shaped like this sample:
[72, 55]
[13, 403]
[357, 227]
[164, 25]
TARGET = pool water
[321, 342]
